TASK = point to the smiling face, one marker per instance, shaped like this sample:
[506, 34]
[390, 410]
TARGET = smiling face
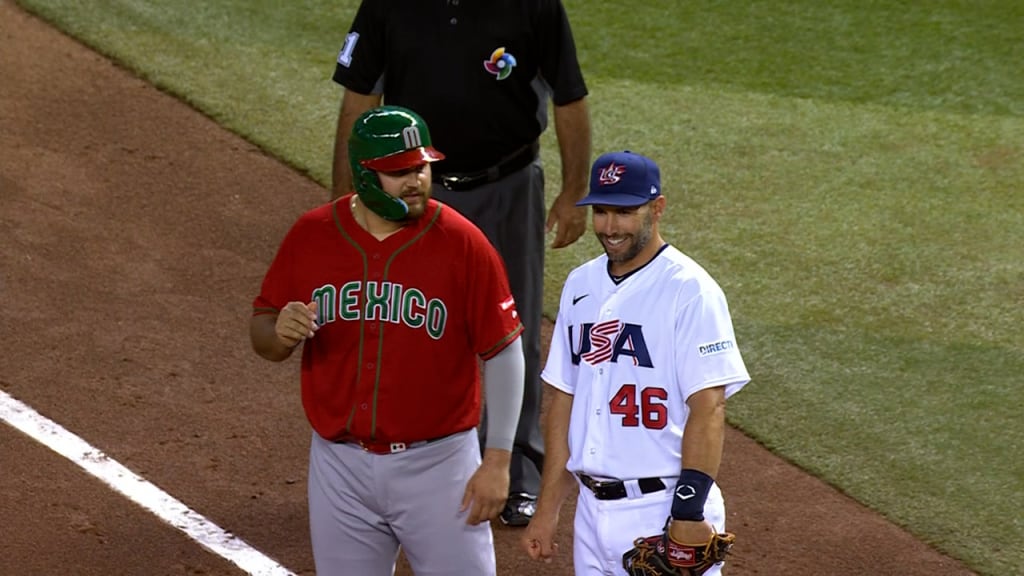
[629, 235]
[410, 185]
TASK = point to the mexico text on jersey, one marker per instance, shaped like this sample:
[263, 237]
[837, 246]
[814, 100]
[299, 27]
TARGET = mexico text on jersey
[381, 301]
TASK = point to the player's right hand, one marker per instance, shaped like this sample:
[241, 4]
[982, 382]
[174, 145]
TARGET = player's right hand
[295, 323]
[538, 539]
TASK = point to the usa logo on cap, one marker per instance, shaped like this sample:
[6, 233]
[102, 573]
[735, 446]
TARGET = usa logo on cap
[611, 174]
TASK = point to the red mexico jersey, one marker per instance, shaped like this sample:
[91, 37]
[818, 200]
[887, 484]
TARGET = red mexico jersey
[402, 321]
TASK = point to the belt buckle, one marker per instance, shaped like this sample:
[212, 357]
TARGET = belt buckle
[462, 182]
[392, 448]
[450, 182]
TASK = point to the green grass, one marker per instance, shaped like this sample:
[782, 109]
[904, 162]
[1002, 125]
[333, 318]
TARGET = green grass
[947, 54]
[850, 172]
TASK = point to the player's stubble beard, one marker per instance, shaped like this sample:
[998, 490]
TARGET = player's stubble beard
[634, 243]
[416, 200]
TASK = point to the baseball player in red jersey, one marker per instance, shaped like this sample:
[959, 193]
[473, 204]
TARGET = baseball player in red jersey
[393, 297]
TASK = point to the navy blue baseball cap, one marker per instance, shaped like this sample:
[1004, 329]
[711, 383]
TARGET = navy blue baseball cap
[623, 179]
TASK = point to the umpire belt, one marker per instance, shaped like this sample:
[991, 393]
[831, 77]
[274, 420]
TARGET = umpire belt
[517, 160]
[616, 489]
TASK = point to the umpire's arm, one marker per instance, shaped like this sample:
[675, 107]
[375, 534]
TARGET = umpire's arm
[352, 105]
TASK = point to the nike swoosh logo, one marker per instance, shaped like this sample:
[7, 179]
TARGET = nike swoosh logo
[578, 298]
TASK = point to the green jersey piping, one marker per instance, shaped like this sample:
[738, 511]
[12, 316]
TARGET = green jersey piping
[503, 342]
[362, 319]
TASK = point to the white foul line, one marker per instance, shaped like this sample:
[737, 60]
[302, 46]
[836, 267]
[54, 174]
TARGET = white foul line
[138, 489]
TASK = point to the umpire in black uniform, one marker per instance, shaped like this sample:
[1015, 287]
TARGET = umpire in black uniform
[480, 72]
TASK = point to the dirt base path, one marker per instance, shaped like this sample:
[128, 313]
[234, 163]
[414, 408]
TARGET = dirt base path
[133, 235]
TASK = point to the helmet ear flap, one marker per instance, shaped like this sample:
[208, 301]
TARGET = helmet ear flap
[368, 179]
[372, 194]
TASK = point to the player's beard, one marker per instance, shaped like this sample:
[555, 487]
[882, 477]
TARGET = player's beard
[417, 203]
[632, 245]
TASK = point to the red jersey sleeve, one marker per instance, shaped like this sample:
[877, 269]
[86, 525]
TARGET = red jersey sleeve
[279, 283]
[493, 320]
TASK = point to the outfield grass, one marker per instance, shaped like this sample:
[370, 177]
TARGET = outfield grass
[849, 171]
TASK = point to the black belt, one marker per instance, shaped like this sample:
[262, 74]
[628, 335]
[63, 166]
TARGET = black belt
[616, 489]
[460, 181]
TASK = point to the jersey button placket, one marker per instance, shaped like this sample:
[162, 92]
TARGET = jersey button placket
[594, 443]
[593, 449]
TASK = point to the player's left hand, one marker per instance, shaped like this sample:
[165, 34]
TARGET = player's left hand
[570, 219]
[689, 531]
[487, 489]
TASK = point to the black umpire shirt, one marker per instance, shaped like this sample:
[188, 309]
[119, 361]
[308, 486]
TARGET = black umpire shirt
[478, 71]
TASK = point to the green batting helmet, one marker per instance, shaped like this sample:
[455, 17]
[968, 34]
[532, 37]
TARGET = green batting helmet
[387, 139]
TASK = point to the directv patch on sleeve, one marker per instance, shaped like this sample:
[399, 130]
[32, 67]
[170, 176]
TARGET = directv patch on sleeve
[715, 347]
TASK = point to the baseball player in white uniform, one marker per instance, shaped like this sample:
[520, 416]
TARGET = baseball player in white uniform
[642, 360]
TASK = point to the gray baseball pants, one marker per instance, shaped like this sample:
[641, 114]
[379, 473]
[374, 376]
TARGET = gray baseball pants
[363, 506]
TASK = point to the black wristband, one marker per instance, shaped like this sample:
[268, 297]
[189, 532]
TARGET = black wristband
[691, 493]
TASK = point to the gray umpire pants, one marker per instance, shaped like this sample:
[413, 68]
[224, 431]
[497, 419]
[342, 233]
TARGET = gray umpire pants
[512, 213]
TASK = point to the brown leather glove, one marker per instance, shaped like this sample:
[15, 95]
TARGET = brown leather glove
[660, 555]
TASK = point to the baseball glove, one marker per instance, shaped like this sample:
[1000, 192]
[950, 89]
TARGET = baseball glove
[660, 555]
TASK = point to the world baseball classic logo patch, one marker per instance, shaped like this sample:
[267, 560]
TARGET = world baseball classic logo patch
[712, 348]
[500, 64]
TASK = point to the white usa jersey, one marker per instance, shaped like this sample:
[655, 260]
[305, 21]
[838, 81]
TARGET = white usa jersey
[631, 354]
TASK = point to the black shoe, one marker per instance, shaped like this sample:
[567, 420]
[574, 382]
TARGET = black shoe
[519, 509]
